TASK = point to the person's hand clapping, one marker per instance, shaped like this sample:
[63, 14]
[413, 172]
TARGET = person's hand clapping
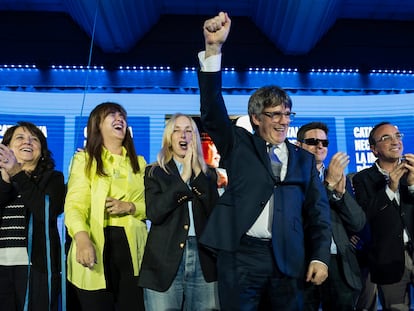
[397, 173]
[195, 164]
[9, 165]
[187, 163]
[335, 176]
[409, 165]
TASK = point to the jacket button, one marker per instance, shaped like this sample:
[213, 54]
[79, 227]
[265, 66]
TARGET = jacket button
[186, 227]
[181, 245]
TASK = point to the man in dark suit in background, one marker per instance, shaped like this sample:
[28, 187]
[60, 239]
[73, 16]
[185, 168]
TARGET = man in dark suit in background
[386, 192]
[340, 290]
[260, 244]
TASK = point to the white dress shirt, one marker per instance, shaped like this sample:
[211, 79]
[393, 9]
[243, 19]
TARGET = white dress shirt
[260, 228]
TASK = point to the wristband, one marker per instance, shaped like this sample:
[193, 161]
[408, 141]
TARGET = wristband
[328, 186]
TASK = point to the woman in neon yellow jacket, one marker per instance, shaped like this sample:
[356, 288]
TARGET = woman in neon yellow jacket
[105, 214]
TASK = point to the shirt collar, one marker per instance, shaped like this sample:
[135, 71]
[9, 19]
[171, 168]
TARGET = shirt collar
[322, 172]
[381, 170]
[107, 154]
[179, 165]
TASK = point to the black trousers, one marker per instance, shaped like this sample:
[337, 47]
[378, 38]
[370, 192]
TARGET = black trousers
[249, 280]
[39, 291]
[13, 281]
[122, 292]
[334, 293]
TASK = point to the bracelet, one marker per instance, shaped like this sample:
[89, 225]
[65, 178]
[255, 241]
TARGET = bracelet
[328, 186]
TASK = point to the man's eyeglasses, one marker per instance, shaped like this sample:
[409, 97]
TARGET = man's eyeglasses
[315, 142]
[388, 138]
[277, 115]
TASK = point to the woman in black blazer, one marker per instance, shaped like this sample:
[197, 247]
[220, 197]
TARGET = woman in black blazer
[180, 192]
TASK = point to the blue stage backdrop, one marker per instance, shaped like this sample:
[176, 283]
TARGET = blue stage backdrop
[357, 132]
[62, 117]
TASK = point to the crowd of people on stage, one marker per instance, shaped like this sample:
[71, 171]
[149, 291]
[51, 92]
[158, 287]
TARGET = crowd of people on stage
[282, 230]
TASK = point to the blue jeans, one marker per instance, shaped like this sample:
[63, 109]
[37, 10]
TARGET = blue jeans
[189, 291]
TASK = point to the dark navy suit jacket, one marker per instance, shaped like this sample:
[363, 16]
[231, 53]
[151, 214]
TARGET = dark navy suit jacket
[301, 209]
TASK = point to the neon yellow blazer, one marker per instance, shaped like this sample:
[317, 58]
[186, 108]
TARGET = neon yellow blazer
[85, 211]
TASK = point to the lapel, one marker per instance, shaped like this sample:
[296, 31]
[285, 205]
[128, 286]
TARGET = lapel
[172, 167]
[379, 181]
[374, 173]
[292, 159]
[377, 178]
[260, 146]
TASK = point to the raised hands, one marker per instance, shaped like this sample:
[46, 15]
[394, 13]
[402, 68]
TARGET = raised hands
[404, 167]
[409, 165]
[216, 30]
[191, 163]
[9, 166]
[336, 176]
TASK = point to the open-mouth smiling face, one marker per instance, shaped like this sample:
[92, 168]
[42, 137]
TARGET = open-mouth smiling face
[181, 137]
[388, 146]
[26, 147]
[114, 126]
[273, 129]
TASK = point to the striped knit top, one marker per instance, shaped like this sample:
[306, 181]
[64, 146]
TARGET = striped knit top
[13, 234]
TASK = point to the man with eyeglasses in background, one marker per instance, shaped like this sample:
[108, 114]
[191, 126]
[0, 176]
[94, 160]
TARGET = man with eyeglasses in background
[266, 218]
[341, 288]
[386, 192]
